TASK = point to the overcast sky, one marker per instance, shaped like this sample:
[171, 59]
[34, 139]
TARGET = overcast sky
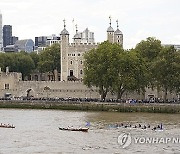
[138, 19]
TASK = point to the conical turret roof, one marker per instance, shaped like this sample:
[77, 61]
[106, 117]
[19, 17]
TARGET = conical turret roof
[110, 29]
[64, 32]
[118, 32]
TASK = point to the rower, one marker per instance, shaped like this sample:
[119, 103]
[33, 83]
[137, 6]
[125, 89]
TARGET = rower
[144, 127]
[154, 128]
[161, 126]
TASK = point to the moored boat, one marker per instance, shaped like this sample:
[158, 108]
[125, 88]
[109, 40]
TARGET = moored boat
[6, 126]
[74, 129]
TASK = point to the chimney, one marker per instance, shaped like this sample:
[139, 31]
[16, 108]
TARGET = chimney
[55, 75]
[7, 70]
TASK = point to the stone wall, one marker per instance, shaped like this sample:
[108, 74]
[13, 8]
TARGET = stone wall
[9, 79]
[55, 89]
[64, 89]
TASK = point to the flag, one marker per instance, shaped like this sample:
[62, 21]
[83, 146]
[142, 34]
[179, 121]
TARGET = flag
[87, 124]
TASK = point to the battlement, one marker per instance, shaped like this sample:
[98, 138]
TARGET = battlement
[83, 44]
[15, 75]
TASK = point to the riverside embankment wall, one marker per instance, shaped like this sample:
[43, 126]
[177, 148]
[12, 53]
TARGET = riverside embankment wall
[93, 106]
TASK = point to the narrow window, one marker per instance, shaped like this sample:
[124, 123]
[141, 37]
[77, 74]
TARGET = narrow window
[6, 86]
[71, 72]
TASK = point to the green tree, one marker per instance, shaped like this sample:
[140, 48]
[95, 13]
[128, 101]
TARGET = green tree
[2, 61]
[25, 65]
[100, 65]
[17, 62]
[130, 74]
[35, 58]
[167, 70]
[49, 59]
[8, 60]
[148, 50]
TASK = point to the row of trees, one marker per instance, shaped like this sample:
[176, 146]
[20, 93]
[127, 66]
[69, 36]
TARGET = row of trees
[113, 69]
[26, 63]
[110, 67]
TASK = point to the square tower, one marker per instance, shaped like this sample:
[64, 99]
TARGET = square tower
[1, 33]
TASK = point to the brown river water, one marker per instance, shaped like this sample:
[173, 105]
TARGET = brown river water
[37, 132]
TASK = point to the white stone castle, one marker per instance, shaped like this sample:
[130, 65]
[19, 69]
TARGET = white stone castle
[11, 83]
[72, 53]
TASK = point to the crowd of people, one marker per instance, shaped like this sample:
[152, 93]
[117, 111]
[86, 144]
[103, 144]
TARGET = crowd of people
[72, 99]
[148, 126]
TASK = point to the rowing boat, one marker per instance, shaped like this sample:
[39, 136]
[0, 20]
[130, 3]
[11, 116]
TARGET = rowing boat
[6, 126]
[74, 129]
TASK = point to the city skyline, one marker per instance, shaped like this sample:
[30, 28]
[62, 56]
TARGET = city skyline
[138, 19]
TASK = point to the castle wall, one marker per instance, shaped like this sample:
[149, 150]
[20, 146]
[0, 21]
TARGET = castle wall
[10, 79]
[55, 89]
[19, 88]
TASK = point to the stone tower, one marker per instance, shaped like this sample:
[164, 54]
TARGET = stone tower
[118, 36]
[64, 53]
[1, 32]
[110, 33]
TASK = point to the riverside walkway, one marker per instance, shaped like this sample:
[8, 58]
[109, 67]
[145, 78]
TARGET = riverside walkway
[91, 105]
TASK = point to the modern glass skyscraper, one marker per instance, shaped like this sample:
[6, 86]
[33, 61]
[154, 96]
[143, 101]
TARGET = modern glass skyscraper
[7, 35]
[1, 33]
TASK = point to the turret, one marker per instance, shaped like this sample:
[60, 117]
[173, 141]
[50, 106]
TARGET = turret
[64, 53]
[118, 36]
[77, 37]
[110, 33]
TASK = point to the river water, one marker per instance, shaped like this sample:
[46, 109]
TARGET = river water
[37, 132]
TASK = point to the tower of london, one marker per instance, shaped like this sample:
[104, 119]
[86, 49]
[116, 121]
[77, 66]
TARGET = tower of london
[72, 53]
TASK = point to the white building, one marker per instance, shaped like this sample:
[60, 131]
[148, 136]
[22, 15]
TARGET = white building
[42, 42]
[1, 33]
[51, 42]
[176, 46]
